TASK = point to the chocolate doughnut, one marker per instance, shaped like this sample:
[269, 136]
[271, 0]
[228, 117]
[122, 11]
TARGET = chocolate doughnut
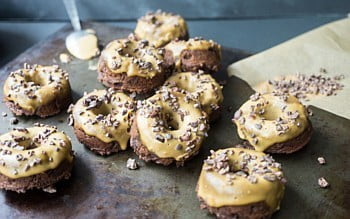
[274, 123]
[202, 87]
[35, 157]
[168, 128]
[132, 66]
[193, 55]
[37, 90]
[159, 28]
[240, 183]
[102, 121]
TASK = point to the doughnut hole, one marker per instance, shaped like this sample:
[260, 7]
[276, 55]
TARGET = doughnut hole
[28, 144]
[271, 112]
[170, 123]
[37, 79]
[104, 110]
[235, 167]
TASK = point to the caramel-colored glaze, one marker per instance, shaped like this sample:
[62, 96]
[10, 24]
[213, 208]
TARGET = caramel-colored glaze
[35, 86]
[135, 58]
[33, 151]
[160, 28]
[177, 46]
[259, 118]
[169, 109]
[84, 46]
[217, 191]
[200, 85]
[116, 112]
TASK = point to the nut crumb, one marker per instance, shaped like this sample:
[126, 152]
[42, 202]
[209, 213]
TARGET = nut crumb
[321, 160]
[131, 164]
[303, 85]
[322, 182]
[50, 189]
[14, 121]
[65, 58]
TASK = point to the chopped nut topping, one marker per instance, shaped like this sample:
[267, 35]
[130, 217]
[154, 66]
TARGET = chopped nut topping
[179, 147]
[315, 84]
[238, 114]
[258, 126]
[92, 102]
[321, 160]
[14, 121]
[248, 167]
[131, 164]
[323, 183]
[70, 120]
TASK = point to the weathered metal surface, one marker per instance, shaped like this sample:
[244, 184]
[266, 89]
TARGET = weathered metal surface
[103, 187]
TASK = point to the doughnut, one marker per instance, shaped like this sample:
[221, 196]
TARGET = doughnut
[132, 66]
[102, 121]
[193, 55]
[202, 87]
[240, 183]
[274, 123]
[37, 90]
[35, 157]
[159, 28]
[168, 128]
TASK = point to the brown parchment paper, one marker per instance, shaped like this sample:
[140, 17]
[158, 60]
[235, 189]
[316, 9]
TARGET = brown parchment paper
[325, 47]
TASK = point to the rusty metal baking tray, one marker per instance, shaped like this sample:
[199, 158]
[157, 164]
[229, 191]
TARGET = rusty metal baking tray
[103, 187]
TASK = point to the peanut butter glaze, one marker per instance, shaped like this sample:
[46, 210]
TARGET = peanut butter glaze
[178, 46]
[30, 151]
[200, 86]
[135, 58]
[267, 119]
[160, 28]
[106, 115]
[237, 177]
[83, 46]
[171, 125]
[35, 86]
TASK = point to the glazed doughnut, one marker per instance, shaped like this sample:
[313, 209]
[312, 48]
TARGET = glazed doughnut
[193, 55]
[35, 157]
[240, 183]
[202, 87]
[102, 121]
[168, 128]
[274, 123]
[37, 90]
[160, 28]
[130, 65]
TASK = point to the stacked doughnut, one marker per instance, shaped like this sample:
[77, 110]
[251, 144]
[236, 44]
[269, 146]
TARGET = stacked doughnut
[193, 55]
[170, 125]
[131, 66]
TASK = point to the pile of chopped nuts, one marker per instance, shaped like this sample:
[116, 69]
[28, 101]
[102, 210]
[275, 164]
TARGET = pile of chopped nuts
[303, 85]
[247, 166]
